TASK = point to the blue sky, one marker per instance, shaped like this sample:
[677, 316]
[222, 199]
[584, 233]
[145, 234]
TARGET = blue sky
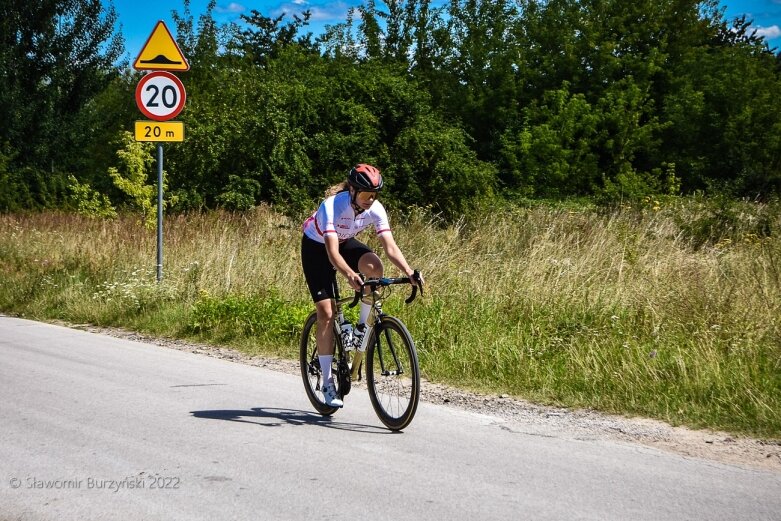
[138, 17]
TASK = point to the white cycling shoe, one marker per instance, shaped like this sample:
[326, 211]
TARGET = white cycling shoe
[330, 397]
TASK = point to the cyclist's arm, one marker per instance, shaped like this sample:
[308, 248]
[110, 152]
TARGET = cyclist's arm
[338, 262]
[393, 252]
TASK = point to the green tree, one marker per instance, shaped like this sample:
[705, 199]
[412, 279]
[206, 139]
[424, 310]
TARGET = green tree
[553, 153]
[721, 99]
[666, 81]
[103, 117]
[55, 56]
[132, 176]
[482, 87]
[265, 37]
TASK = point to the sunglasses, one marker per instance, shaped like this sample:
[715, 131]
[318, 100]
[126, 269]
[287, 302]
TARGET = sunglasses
[366, 196]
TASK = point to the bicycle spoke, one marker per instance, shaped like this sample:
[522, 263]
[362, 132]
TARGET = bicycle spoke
[392, 350]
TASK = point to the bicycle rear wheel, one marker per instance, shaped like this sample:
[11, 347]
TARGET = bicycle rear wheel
[392, 372]
[311, 373]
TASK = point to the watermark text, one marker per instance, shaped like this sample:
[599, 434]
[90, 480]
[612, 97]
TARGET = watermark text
[139, 482]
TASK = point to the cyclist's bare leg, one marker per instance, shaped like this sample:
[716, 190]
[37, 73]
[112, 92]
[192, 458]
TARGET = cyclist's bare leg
[325, 327]
[370, 265]
[325, 351]
[325, 339]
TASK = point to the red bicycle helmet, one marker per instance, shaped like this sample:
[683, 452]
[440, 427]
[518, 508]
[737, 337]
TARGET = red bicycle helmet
[365, 178]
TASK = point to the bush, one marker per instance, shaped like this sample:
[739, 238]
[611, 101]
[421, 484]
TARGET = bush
[30, 189]
[89, 202]
[240, 194]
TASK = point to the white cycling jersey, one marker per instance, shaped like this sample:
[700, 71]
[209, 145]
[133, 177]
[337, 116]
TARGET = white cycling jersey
[337, 216]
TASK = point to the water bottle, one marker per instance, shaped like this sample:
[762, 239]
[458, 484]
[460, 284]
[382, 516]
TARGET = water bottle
[359, 350]
[346, 329]
[363, 335]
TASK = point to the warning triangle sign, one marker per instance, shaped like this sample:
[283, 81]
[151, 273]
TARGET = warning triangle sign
[160, 52]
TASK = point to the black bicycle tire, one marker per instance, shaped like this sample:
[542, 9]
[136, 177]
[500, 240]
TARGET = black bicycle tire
[393, 423]
[306, 353]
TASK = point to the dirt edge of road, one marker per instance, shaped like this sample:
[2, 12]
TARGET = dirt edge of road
[527, 418]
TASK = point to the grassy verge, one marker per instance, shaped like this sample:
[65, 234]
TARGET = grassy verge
[669, 310]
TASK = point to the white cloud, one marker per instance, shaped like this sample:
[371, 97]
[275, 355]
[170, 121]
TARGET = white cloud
[330, 12]
[231, 8]
[769, 33]
[336, 13]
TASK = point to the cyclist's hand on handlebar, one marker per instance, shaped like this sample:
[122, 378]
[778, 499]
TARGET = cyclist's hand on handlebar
[355, 280]
[416, 279]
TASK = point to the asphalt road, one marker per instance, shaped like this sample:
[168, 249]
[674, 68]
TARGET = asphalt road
[93, 427]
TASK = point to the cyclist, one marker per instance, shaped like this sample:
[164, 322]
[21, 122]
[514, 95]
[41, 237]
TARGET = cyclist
[329, 245]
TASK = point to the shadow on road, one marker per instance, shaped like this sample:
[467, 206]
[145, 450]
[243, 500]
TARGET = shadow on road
[273, 417]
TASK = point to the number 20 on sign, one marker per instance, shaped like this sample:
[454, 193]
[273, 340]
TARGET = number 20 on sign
[160, 96]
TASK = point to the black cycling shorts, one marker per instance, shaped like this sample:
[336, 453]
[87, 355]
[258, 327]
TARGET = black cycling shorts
[320, 274]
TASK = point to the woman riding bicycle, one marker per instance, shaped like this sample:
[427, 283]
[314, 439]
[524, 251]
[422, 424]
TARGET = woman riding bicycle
[329, 245]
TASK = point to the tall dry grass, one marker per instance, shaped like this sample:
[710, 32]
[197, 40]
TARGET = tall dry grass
[670, 312]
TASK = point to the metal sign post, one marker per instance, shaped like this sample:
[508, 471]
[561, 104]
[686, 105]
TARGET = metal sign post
[159, 212]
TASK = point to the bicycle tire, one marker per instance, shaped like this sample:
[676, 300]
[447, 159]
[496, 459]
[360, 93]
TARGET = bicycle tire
[392, 373]
[311, 373]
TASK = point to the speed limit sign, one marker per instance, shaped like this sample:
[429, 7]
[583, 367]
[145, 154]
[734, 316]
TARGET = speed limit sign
[160, 96]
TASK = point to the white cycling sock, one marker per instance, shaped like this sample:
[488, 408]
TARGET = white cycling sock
[325, 366]
[365, 310]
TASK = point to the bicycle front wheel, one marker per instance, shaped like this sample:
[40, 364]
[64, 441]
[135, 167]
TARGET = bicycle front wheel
[311, 373]
[393, 376]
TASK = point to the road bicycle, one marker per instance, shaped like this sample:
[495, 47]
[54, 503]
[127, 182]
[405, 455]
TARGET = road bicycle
[392, 372]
